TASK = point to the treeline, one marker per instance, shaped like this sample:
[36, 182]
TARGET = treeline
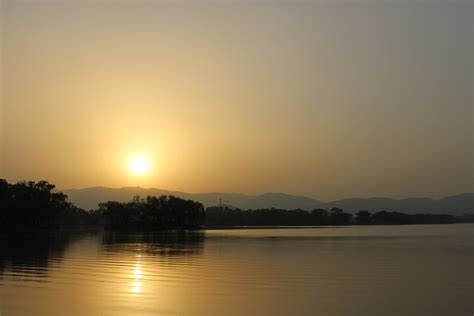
[225, 216]
[398, 218]
[36, 205]
[33, 205]
[164, 212]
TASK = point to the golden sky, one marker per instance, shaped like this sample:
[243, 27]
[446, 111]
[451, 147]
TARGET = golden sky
[323, 98]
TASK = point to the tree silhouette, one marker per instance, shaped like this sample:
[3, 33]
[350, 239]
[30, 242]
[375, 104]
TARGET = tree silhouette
[338, 217]
[363, 217]
[35, 205]
[320, 216]
[162, 212]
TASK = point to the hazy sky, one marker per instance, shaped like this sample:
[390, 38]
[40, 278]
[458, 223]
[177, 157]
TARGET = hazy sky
[324, 98]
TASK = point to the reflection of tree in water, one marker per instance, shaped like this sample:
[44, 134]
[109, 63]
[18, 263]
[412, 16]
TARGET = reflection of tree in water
[164, 243]
[28, 255]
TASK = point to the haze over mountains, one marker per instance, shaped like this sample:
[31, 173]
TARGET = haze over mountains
[89, 198]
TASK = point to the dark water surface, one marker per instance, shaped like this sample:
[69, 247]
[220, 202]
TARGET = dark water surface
[375, 270]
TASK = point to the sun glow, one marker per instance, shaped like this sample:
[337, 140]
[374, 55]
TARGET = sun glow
[139, 165]
[137, 275]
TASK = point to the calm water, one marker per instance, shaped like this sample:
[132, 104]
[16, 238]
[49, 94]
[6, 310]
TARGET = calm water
[391, 270]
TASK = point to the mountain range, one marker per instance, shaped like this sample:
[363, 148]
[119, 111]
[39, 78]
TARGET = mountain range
[89, 198]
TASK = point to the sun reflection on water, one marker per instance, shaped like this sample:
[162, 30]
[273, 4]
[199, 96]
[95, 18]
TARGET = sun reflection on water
[137, 275]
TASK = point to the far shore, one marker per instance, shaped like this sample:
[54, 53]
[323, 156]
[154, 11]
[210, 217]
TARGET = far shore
[97, 228]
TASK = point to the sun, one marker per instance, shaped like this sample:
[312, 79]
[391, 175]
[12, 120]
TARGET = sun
[139, 165]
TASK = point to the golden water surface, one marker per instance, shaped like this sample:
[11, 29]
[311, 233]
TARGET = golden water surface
[374, 270]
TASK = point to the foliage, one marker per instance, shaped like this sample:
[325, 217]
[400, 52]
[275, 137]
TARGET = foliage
[35, 205]
[225, 216]
[397, 218]
[152, 212]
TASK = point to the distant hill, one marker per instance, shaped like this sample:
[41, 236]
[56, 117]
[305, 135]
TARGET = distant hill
[89, 198]
[458, 204]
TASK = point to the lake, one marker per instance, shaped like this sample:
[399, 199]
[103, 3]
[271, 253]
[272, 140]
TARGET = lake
[358, 270]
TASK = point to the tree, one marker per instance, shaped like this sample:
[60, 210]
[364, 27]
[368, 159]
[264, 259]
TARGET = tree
[320, 217]
[164, 212]
[338, 217]
[364, 217]
[35, 205]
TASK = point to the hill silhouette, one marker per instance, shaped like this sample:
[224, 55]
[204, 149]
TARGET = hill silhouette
[89, 198]
[37, 205]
